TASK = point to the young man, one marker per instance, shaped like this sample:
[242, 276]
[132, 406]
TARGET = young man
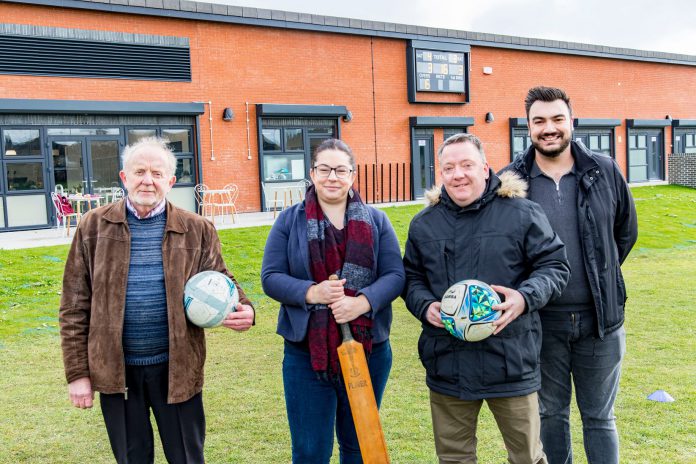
[479, 226]
[122, 323]
[590, 206]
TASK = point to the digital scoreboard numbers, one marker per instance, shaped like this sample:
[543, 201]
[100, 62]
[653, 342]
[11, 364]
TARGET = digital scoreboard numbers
[439, 71]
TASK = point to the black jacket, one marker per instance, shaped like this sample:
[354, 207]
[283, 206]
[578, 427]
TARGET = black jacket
[501, 239]
[608, 228]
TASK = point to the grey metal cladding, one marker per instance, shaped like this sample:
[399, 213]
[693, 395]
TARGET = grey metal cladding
[43, 51]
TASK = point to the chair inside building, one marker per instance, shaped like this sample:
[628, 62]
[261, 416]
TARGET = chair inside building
[64, 213]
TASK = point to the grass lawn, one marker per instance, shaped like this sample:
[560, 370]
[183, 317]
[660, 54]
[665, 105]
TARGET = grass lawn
[244, 395]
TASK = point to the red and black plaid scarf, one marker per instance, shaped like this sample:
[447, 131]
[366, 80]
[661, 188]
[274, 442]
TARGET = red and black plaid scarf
[323, 334]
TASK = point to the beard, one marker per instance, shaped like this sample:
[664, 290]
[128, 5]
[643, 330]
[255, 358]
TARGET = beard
[552, 153]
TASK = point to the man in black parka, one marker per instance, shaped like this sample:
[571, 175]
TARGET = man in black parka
[479, 226]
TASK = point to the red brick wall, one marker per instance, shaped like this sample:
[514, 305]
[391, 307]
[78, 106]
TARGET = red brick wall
[233, 64]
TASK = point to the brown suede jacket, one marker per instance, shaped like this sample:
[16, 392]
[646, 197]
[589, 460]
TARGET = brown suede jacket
[94, 296]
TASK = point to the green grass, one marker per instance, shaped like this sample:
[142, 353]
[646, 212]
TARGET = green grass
[244, 396]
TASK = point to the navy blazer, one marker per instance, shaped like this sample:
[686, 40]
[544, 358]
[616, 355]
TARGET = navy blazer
[286, 277]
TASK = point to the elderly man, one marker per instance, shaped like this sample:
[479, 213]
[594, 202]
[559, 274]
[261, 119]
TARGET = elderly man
[122, 323]
[479, 226]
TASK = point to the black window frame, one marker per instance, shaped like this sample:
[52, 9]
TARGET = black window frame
[21, 159]
[682, 132]
[284, 152]
[589, 131]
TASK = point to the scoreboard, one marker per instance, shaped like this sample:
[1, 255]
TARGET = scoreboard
[439, 71]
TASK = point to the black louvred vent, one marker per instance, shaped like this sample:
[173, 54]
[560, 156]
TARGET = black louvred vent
[80, 58]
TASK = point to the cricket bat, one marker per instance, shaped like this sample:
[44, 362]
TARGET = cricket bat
[361, 396]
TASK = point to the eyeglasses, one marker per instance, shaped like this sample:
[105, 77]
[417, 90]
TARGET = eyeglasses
[324, 171]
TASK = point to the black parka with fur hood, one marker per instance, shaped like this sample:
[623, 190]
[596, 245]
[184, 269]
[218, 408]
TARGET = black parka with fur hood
[500, 239]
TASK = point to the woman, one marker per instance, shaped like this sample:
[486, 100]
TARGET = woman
[331, 232]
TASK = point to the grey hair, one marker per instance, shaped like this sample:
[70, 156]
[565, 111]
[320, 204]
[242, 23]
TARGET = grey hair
[463, 138]
[150, 144]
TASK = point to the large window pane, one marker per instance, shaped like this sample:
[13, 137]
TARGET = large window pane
[638, 173]
[67, 165]
[639, 157]
[271, 139]
[606, 145]
[138, 134]
[104, 163]
[294, 140]
[594, 142]
[179, 139]
[288, 167]
[20, 142]
[25, 176]
[184, 171]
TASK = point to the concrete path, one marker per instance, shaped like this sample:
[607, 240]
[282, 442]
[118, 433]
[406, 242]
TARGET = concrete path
[51, 237]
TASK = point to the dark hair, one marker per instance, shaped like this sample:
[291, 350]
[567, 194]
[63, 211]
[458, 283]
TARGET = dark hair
[333, 144]
[546, 94]
[463, 138]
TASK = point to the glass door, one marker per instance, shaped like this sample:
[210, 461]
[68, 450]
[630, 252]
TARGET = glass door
[423, 165]
[68, 159]
[103, 162]
[646, 157]
[86, 165]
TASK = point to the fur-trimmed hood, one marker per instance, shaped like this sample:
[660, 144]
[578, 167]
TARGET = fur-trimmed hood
[506, 185]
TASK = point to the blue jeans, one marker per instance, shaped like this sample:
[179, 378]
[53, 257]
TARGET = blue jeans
[314, 406]
[570, 349]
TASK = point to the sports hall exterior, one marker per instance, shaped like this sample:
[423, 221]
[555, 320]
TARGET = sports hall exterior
[244, 94]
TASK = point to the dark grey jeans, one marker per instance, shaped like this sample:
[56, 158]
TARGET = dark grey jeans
[571, 352]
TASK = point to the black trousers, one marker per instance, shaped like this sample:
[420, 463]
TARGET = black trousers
[181, 425]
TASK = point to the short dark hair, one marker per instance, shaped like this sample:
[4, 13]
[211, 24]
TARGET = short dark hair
[546, 94]
[333, 144]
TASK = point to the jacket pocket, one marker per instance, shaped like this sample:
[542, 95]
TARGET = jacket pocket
[514, 356]
[437, 354]
[621, 295]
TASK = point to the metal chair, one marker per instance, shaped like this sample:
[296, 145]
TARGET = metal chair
[117, 194]
[229, 200]
[297, 192]
[274, 202]
[64, 215]
[199, 192]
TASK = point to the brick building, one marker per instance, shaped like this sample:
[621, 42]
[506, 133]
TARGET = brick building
[244, 94]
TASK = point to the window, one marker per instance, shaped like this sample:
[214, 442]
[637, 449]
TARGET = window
[22, 160]
[685, 140]
[520, 142]
[294, 140]
[135, 135]
[179, 139]
[24, 176]
[599, 140]
[22, 142]
[287, 145]
[271, 139]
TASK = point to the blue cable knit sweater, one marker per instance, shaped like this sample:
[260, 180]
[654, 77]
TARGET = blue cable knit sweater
[145, 325]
